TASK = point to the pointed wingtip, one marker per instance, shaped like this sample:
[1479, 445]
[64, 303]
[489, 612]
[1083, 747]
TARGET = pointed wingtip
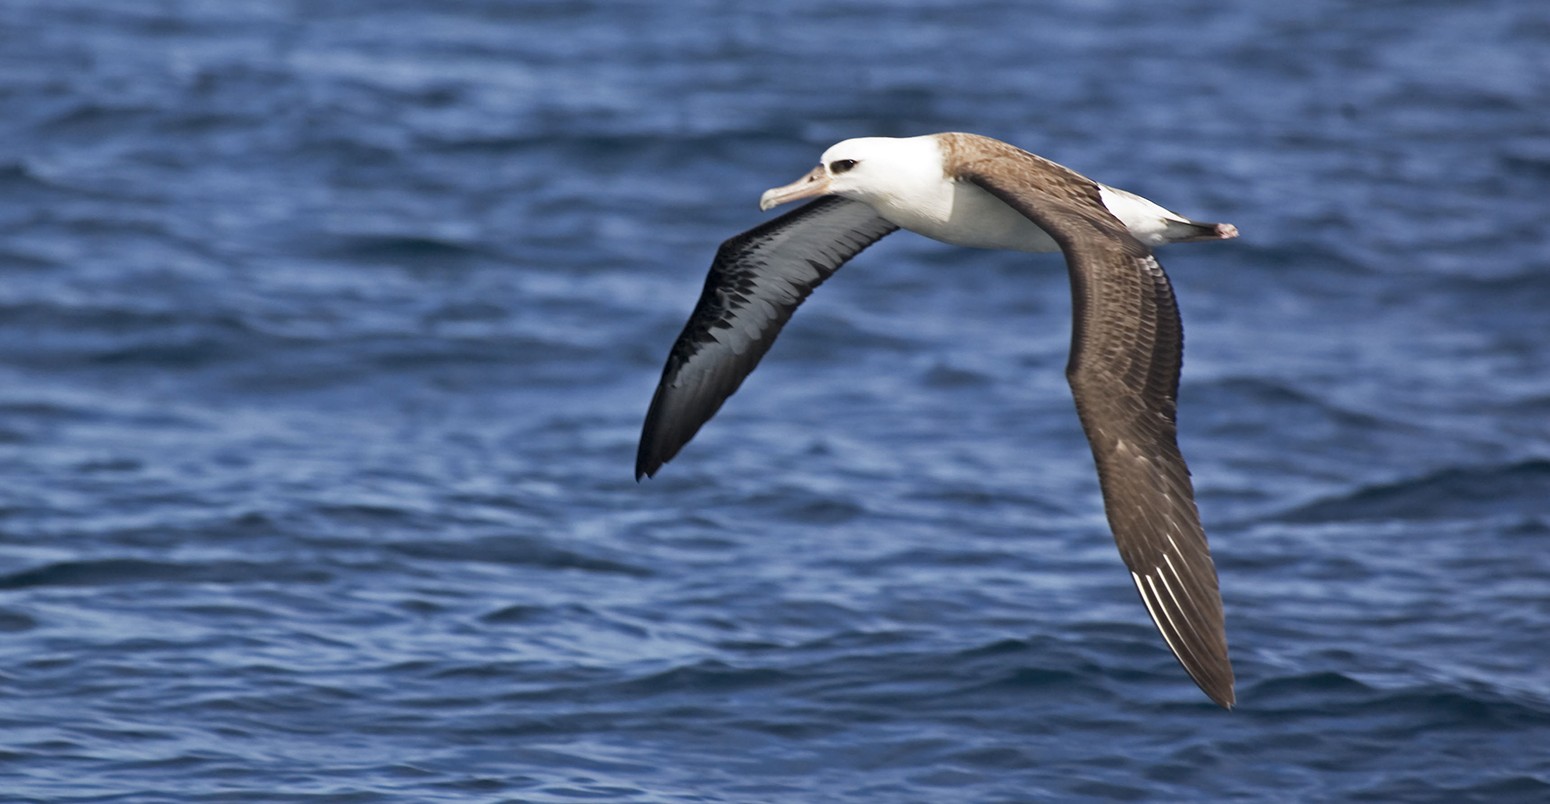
[1217, 682]
[645, 464]
[1221, 689]
[1225, 699]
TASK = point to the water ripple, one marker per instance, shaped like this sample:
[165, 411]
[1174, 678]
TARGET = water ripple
[326, 337]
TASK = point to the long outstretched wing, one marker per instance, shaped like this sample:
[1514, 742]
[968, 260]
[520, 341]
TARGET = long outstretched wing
[1127, 347]
[756, 282]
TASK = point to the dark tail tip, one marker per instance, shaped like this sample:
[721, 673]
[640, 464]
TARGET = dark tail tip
[1196, 232]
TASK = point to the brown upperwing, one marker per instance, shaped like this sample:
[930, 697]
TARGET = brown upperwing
[1127, 345]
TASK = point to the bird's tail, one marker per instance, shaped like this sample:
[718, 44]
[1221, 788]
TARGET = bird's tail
[1188, 231]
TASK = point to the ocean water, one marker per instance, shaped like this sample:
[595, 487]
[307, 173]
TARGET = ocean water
[327, 329]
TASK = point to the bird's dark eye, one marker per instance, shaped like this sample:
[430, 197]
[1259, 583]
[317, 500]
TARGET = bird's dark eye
[839, 166]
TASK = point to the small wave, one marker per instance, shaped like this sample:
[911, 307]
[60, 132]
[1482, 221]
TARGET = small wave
[941, 375]
[398, 249]
[1321, 688]
[12, 621]
[22, 176]
[526, 551]
[116, 571]
[1238, 393]
[707, 675]
[1412, 707]
[14, 260]
[1447, 494]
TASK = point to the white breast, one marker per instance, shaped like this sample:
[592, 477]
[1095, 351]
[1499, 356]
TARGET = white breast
[960, 213]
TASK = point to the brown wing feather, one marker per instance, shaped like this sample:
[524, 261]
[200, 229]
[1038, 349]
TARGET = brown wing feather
[1126, 351]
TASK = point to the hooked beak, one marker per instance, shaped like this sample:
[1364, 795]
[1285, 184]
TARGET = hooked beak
[816, 182]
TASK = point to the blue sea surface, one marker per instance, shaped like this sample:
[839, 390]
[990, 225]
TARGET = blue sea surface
[327, 329]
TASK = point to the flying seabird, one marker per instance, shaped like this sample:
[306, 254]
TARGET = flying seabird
[1126, 342]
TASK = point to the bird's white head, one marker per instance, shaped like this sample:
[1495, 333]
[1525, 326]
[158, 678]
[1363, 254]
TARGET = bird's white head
[880, 171]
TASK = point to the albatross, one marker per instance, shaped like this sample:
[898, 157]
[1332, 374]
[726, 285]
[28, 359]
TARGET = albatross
[1126, 343]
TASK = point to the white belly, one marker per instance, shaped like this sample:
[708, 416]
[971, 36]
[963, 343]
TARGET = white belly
[961, 213]
[965, 215]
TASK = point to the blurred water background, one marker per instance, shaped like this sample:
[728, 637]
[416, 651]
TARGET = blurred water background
[326, 330]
